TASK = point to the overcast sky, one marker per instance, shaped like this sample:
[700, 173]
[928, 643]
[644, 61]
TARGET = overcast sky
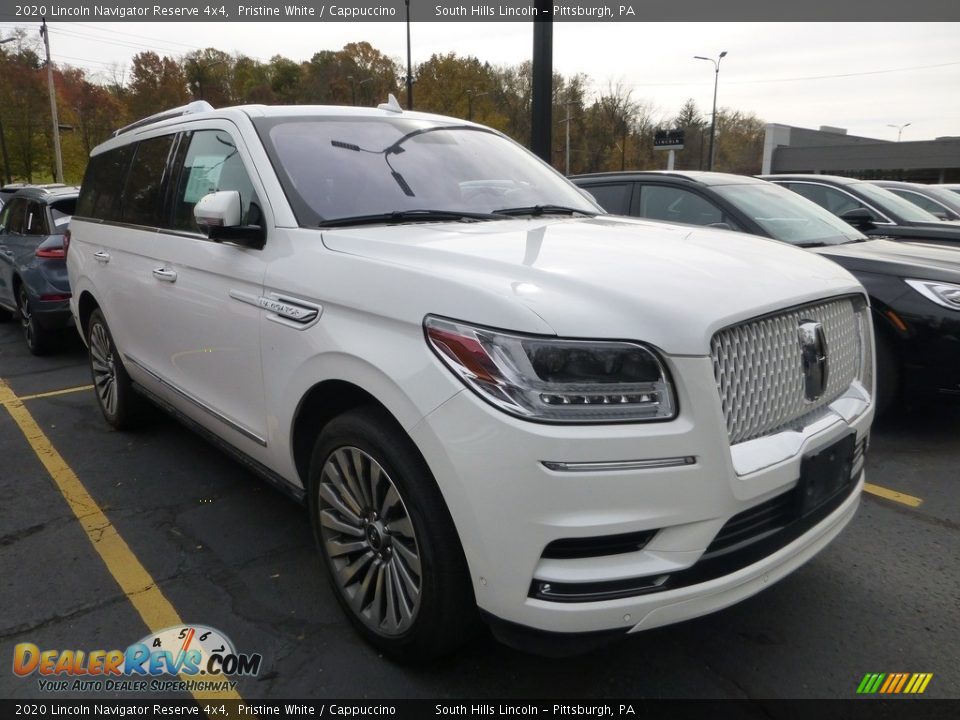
[859, 76]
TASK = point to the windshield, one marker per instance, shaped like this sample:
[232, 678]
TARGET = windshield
[339, 168]
[787, 216]
[886, 200]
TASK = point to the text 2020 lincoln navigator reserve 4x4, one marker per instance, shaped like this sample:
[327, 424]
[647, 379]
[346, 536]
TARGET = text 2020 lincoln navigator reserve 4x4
[488, 393]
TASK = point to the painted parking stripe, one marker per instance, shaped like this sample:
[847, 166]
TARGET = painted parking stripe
[888, 494]
[54, 393]
[134, 580]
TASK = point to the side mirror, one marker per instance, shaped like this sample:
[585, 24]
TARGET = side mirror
[860, 218]
[941, 214]
[218, 214]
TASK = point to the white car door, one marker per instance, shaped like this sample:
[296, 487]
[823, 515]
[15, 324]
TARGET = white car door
[200, 347]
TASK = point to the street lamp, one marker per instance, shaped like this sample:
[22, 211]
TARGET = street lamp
[471, 94]
[3, 137]
[716, 79]
[899, 129]
[353, 86]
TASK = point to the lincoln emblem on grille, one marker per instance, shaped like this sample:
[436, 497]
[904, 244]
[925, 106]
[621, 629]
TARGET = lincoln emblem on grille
[813, 355]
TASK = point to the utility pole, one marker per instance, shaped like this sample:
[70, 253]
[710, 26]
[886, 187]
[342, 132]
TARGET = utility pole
[541, 102]
[3, 137]
[53, 102]
[567, 121]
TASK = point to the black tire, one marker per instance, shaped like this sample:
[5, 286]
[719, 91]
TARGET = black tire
[121, 405]
[444, 610]
[39, 340]
[888, 375]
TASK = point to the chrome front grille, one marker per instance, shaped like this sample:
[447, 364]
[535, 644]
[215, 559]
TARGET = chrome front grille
[759, 370]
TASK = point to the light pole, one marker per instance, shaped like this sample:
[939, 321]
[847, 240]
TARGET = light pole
[409, 63]
[53, 103]
[899, 129]
[353, 86]
[3, 137]
[713, 123]
[471, 95]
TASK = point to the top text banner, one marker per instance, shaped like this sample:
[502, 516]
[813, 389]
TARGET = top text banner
[855, 11]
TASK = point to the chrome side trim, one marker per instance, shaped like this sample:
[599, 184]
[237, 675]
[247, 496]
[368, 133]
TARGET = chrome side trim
[619, 465]
[283, 309]
[202, 405]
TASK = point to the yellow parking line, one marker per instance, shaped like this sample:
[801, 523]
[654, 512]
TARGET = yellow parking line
[54, 393]
[897, 497]
[134, 580]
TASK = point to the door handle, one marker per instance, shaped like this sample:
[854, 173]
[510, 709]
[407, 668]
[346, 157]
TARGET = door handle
[162, 273]
[102, 257]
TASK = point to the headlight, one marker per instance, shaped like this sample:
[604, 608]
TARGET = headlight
[945, 294]
[555, 380]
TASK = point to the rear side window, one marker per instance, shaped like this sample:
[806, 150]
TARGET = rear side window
[142, 192]
[100, 193]
[212, 164]
[13, 213]
[614, 198]
[36, 222]
[60, 212]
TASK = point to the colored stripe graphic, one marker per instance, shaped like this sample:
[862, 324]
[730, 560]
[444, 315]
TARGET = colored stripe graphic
[894, 683]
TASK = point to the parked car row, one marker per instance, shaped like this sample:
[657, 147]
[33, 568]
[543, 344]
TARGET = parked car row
[33, 273]
[914, 288]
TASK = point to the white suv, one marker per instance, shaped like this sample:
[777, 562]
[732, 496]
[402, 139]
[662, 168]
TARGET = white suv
[488, 393]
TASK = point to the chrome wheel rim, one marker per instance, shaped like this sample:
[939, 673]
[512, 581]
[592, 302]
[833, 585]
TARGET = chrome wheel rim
[369, 541]
[103, 367]
[26, 317]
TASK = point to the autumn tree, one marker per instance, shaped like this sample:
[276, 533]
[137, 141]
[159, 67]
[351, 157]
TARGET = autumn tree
[156, 84]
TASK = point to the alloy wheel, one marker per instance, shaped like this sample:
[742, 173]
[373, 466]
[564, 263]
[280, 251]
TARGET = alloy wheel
[369, 541]
[104, 368]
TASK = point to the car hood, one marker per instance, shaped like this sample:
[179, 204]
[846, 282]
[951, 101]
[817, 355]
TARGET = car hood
[944, 231]
[903, 259]
[670, 286]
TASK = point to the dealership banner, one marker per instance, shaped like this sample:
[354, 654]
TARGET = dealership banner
[859, 11]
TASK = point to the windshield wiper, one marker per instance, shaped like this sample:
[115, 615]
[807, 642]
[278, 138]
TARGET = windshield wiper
[537, 210]
[407, 216]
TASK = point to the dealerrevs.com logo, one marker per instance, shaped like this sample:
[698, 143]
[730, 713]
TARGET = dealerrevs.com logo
[203, 657]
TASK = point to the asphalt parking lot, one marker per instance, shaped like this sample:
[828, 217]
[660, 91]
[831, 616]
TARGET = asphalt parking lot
[228, 551]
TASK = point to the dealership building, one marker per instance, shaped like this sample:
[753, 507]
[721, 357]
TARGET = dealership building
[832, 151]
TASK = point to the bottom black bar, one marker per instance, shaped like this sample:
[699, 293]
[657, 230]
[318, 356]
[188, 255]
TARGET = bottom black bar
[860, 708]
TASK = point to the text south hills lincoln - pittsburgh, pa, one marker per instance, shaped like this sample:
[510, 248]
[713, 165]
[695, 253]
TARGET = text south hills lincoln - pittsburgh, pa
[564, 10]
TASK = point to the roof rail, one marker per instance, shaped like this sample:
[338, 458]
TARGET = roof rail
[197, 106]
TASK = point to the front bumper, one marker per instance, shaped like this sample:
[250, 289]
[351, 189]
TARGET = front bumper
[509, 507]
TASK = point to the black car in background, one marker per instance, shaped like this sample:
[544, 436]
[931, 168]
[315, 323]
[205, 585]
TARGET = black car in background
[914, 288]
[874, 210]
[938, 201]
[33, 272]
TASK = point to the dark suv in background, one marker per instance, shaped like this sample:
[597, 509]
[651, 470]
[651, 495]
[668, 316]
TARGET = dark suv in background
[33, 272]
[914, 289]
[870, 208]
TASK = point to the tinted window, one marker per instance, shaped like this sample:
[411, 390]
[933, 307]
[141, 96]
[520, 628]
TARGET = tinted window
[836, 201]
[612, 198]
[36, 220]
[919, 200]
[659, 202]
[886, 200]
[142, 192]
[100, 192]
[13, 213]
[212, 163]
